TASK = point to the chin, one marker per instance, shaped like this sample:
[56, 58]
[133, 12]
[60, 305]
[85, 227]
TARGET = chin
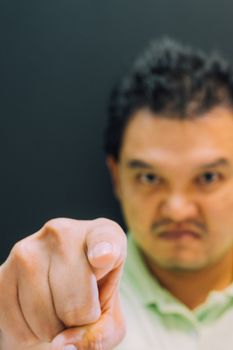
[184, 265]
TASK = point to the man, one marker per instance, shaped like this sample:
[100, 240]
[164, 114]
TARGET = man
[169, 150]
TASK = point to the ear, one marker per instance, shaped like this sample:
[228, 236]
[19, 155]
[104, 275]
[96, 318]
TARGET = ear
[113, 167]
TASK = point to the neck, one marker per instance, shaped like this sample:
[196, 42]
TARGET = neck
[193, 287]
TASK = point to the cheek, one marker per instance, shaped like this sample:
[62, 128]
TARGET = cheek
[139, 211]
[219, 213]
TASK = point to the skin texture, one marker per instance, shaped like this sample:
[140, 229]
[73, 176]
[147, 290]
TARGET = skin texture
[174, 180]
[60, 285]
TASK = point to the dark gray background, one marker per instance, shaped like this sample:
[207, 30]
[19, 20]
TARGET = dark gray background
[59, 59]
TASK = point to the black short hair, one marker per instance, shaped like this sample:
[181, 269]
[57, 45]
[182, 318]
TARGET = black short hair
[174, 81]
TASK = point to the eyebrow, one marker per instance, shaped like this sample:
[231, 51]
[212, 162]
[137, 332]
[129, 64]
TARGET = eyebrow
[140, 164]
[216, 163]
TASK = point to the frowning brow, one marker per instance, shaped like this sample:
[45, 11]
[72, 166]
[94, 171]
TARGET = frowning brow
[138, 164]
[216, 163]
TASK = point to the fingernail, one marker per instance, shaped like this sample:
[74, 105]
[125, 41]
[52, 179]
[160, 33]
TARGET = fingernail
[70, 347]
[101, 248]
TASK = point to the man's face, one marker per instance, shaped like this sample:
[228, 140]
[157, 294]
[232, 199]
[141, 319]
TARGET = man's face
[174, 180]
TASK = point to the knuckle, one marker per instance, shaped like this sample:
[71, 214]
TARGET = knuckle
[107, 222]
[102, 221]
[53, 232]
[55, 224]
[109, 225]
[58, 224]
[53, 227]
[62, 234]
[23, 254]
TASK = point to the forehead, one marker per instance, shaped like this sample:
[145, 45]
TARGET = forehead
[154, 138]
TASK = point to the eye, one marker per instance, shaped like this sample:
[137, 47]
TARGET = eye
[149, 179]
[208, 178]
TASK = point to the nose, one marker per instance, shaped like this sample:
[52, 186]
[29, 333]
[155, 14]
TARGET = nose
[178, 208]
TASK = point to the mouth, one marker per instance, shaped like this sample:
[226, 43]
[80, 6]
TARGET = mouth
[179, 234]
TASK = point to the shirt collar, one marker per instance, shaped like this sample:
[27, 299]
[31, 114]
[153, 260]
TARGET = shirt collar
[150, 292]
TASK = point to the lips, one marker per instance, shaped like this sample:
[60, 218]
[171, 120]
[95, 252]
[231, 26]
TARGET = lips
[179, 234]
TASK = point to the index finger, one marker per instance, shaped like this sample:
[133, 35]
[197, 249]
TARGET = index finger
[106, 247]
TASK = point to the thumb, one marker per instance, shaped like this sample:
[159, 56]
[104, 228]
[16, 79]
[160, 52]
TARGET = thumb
[105, 334]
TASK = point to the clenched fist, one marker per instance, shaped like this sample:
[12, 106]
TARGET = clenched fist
[60, 285]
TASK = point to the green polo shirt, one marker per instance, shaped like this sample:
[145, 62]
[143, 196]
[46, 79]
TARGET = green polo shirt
[157, 320]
